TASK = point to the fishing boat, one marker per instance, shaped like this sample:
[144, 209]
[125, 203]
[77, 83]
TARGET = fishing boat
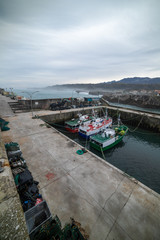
[94, 126]
[108, 138]
[73, 124]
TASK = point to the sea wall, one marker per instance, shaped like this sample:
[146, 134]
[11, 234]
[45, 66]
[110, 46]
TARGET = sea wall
[65, 115]
[59, 102]
[144, 101]
[145, 120]
[39, 103]
[137, 119]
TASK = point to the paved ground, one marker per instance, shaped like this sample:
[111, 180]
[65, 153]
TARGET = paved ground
[107, 203]
[5, 109]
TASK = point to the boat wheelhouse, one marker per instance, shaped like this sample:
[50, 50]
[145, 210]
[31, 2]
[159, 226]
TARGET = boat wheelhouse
[72, 125]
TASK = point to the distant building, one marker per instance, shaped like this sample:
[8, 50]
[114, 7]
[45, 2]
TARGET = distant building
[143, 91]
[134, 92]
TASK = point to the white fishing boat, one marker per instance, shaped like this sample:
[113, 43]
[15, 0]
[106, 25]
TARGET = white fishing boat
[94, 126]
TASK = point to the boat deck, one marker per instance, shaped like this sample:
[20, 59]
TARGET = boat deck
[99, 138]
[98, 125]
[72, 122]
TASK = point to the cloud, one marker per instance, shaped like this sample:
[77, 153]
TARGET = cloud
[55, 42]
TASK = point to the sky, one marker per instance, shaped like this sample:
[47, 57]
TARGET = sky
[44, 43]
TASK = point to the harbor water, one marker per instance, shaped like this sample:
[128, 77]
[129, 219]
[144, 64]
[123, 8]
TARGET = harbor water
[138, 155]
[42, 93]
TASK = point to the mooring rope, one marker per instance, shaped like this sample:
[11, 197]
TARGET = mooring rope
[128, 119]
[137, 125]
[102, 153]
[86, 143]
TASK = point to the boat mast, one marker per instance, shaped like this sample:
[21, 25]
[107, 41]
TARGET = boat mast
[106, 114]
[119, 120]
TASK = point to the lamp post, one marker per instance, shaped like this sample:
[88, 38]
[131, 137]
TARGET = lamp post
[11, 91]
[30, 95]
[72, 97]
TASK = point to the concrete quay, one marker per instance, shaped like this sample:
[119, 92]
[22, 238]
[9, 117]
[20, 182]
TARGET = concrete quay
[108, 204]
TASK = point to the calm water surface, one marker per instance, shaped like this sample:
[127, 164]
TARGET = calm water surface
[138, 155]
[50, 93]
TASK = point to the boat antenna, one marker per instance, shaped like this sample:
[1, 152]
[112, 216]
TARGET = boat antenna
[93, 113]
[119, 120]
[106, 113]
[102, 153]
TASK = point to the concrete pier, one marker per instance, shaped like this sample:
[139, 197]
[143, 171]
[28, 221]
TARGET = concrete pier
[108, 204]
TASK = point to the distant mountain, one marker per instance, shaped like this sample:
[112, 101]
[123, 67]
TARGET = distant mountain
[139, 80]
[135, 83]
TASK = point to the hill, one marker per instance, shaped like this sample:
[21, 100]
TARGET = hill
[135, 83]
[138, 80]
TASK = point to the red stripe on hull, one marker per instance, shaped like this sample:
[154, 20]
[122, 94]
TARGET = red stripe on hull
[72, 130]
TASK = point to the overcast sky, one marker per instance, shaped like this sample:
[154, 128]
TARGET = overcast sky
[48, 42]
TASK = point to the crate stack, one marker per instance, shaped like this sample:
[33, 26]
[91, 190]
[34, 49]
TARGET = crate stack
[27, 187]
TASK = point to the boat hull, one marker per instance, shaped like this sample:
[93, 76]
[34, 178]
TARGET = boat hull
[99, 148]
[72, 130]
[83, 135]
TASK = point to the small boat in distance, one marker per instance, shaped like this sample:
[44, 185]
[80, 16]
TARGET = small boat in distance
[94, 126]
[109, 137]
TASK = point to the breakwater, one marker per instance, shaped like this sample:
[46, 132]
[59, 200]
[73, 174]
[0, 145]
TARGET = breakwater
[145, 120]
[39, 103]
[137, 118]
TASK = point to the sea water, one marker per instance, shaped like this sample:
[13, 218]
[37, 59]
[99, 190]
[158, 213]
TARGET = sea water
[43, 93]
